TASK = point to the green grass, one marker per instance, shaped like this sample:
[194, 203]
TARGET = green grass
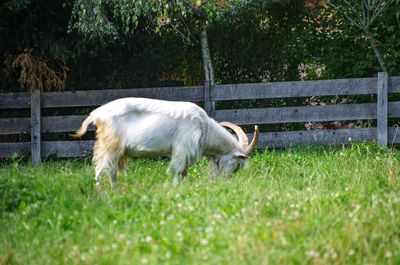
[303, 206]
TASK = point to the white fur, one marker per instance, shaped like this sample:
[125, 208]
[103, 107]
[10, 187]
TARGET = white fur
[141, 127]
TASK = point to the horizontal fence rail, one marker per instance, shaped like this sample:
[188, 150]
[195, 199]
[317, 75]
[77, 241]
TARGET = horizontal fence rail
[239, 116]
[99, 97]
[338, 87]
[11, 126]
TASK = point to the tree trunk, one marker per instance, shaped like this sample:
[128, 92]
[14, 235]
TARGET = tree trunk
[376, 50]
[208, 71]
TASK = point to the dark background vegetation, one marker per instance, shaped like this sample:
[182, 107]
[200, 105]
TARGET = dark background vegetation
[291, 41]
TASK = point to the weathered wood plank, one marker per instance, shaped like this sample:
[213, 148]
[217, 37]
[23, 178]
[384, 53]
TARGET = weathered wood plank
[99, 97]
[394, 109]
[15, 126]
[298, 114]
[382, 108]
[64, 123]
[315, 137]
[221, 92]
[48, 124]
[36, 127]
[67, 148]
[49, 148]
[18, 100]
[355, 86]
[394, 84]
[73, 122]
[20, 149]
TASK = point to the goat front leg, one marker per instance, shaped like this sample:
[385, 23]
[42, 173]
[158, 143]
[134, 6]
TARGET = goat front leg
[180, 175]
[184, 175]
[213, 169]
[178, 167]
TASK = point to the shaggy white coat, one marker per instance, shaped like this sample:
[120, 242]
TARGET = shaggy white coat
[141, 127]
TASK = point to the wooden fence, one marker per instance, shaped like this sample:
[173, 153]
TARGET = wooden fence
[37, 124]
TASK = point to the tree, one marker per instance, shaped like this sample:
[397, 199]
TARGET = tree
[259, 44]
[362, 14]
[188, 18]
[36, 59]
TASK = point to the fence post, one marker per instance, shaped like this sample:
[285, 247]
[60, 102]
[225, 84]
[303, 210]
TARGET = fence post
[35, 127]
[382, 108]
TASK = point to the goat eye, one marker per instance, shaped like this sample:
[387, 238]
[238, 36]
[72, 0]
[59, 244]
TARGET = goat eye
[217, 163]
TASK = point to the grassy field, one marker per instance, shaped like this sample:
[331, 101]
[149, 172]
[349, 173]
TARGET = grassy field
[301, 206]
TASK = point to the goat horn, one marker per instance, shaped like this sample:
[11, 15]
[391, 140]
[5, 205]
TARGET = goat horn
[253, 141]
[243, 140]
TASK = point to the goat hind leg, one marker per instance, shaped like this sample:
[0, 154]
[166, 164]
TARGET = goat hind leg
[100, 172]
[113, 178]
[106, 164]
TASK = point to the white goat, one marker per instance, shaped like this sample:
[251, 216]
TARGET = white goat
[141, 127]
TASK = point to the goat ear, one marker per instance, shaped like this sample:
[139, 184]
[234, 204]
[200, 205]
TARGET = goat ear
[240, 155]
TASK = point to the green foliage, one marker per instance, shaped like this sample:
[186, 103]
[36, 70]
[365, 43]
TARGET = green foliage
[16, 5]
[250, 41]
[340, 47]
[361, 14]
[317, 206]
[106, 18]
[268, 52]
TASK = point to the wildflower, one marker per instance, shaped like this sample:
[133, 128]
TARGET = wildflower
[170, 217]
[204, 242]
[179, 235]
[121, 237]
[217, 216]
[312, 253]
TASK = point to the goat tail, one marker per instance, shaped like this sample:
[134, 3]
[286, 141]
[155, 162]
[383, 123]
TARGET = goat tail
[81, 131]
